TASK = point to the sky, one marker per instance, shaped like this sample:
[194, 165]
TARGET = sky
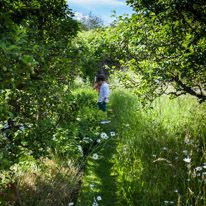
[100, 8]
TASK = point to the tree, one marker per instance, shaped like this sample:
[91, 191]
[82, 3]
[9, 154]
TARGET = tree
[164, 44]
[37, 65]
[90, 22]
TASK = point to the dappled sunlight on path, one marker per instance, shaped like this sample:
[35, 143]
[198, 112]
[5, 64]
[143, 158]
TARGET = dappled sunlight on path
[99, 180]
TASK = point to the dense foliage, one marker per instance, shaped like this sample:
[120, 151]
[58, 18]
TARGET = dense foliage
[36, 70]
[163, 43]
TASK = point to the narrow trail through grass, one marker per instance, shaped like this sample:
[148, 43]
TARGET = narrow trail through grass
[99, 179]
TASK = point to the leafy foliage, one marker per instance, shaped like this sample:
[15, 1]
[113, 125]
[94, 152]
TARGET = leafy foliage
[163, 43]
[36, 69]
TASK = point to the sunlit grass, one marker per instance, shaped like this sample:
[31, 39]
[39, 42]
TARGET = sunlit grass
[153, 144]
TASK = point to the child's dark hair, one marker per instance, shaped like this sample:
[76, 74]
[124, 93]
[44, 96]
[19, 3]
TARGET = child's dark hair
[100, 77]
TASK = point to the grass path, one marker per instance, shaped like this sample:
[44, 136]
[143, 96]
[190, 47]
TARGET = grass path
[99, 174]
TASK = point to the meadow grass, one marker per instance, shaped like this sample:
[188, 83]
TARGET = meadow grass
[153, 144]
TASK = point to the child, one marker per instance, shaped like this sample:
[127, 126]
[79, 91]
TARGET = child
[104, 92]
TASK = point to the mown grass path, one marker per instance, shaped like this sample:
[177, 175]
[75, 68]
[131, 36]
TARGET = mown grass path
[99, 180]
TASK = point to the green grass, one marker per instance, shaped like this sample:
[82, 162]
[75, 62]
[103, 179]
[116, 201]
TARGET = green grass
[150, 156]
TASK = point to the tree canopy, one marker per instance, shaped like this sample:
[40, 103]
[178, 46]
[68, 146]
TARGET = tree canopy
[163, 43]
[37, 66]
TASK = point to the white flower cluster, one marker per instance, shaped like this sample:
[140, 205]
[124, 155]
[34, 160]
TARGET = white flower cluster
[3, 136]
[80, 149]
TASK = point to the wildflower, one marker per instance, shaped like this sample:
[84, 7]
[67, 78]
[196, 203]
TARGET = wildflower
[198, 168]
[95, 156]
[70, 204]
[78, 119]
[112, 134]
[99, 198]
[166, 202]
[79, 147]
[97, 133]
[3, 136]
[5, 126]
[127, 125]
[105, 122]
[186, 141]
[104, 135]
[164, 148]
[154, 155]
[99, 140]
[187, 160]
[204, 167]
[188, 180]
[192, 141]
[184, 151]
[95, 204]
[22, 128]
[176, 191]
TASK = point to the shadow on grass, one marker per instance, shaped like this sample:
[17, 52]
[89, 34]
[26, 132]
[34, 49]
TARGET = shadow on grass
[99, 179]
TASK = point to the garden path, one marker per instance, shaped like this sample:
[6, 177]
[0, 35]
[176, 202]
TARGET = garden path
[99, 179]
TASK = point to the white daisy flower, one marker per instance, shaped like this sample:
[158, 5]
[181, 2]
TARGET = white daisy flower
[187, 160]
[99, 198]
[22, 128]
[104, 135]
[95, 204]
[95, 156]
[186, 141]
[204, 167]
[198, 168]
[79, 147]
[3, 136]
[112, 134]
[5, 126]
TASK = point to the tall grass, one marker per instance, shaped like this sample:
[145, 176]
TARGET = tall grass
[153, 144]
